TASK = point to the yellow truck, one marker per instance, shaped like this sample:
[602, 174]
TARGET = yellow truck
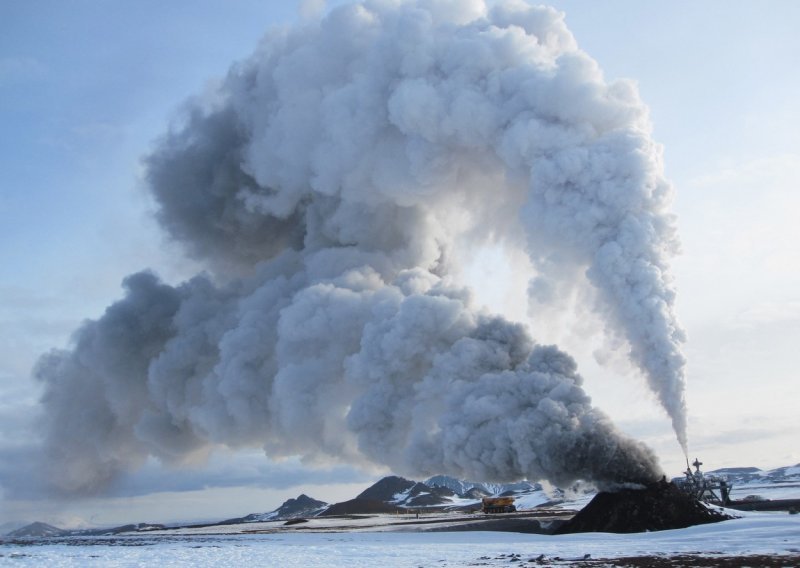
[498, 505]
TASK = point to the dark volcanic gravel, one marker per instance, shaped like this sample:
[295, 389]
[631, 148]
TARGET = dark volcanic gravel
[660, 506]
[691, 561]
[677, 561]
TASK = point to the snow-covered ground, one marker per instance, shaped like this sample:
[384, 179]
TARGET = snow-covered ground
[403, 540]
[755, 533]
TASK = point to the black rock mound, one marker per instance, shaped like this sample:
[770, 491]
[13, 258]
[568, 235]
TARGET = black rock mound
[659, 506]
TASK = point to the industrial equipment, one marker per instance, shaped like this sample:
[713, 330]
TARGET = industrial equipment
[498, 505]
[708, 488]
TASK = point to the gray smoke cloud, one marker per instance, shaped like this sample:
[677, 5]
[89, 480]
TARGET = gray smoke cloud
[326, 185]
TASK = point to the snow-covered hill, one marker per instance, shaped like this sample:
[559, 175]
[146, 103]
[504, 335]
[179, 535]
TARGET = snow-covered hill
[302, 506]
[37, 529]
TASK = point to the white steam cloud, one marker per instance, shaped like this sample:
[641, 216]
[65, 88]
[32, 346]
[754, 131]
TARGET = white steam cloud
[326, 185]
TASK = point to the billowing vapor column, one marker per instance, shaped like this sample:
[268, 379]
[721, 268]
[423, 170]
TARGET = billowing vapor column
[325, 186]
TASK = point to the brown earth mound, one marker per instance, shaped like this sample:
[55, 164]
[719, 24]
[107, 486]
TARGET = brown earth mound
[659, 506]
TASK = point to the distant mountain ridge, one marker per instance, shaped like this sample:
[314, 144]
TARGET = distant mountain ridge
[461, 487]
[37, 529]
[392, 494]
[44, 530]
[746, 475]
[396, 494]
[387, 495]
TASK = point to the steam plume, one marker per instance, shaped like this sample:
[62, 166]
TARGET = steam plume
[325, 185]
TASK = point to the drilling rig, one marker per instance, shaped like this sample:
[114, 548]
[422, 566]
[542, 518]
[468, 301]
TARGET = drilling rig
[706, 488]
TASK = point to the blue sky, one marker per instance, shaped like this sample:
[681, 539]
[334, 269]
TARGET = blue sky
[86, 86]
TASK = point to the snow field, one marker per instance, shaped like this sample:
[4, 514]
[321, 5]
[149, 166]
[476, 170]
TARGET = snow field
[755, 533]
